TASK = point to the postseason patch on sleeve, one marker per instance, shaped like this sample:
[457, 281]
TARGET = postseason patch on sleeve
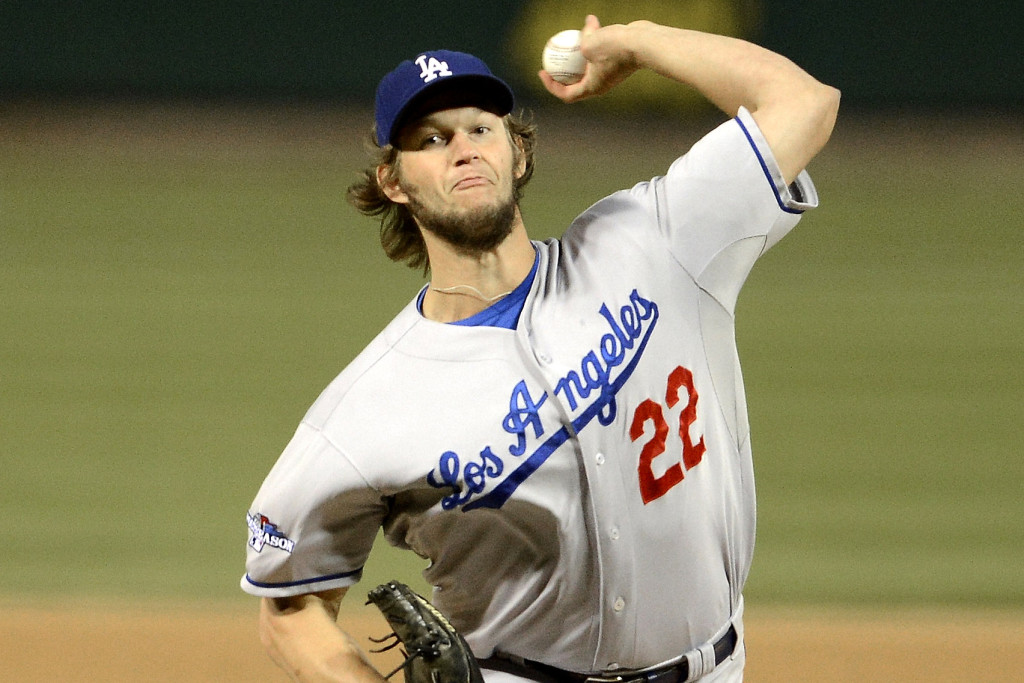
[263, 533]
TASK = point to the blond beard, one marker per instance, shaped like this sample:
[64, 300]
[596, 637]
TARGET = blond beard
[473, 231]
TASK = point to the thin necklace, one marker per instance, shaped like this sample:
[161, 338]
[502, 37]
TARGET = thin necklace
[473, 292]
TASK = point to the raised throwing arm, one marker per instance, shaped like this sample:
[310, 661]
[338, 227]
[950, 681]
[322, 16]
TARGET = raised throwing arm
[795, 112]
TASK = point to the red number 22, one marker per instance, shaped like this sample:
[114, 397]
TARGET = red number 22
[651, 487]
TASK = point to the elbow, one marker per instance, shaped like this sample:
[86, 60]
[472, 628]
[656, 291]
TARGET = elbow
[818, 109]
[799, 129]
[826, 107]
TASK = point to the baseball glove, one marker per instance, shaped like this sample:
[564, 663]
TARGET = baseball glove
[434, 651]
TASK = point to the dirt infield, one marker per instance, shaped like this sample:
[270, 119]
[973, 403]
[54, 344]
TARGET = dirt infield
[124, 643]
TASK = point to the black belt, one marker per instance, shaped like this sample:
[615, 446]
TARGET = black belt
[545, 673]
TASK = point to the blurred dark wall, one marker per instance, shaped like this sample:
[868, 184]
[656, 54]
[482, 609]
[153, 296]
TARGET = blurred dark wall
[248, 48]
[879, 52]
[939, 52]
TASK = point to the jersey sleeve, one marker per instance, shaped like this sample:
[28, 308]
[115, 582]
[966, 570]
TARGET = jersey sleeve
[312, 523]
[724, 203]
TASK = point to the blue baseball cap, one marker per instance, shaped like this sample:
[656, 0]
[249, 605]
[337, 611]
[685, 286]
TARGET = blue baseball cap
[399, 92]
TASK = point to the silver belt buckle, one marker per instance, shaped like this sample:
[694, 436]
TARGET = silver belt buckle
[646, 676]
[632, 677]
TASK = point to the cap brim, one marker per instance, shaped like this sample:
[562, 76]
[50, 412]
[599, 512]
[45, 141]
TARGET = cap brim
[471, 90]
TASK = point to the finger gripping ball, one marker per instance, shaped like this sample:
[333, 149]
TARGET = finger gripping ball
[562, 58]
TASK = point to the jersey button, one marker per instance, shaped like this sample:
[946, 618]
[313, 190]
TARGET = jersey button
[614, 533]
[619, 604]
[599, 458]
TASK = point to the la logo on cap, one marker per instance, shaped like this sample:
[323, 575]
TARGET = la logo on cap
[409, 83]
[432, 68]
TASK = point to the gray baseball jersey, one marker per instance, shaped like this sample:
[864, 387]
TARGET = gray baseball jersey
[582, 484]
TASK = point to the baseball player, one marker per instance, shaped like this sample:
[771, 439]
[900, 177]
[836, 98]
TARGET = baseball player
[559, 427]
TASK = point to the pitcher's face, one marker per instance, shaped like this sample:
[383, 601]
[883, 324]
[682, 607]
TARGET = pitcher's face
[456, 173]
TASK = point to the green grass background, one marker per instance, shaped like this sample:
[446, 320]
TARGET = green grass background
[178, 283]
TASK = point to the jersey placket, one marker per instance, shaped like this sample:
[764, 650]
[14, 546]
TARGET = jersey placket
[609, 533]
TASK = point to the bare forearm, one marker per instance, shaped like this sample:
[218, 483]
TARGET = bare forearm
[794, 111]
[301, 636]
[728, 71]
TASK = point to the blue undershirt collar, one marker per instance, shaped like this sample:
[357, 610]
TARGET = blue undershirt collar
[502, 313]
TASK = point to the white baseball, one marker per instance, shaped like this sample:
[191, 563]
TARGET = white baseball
[562, 57]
